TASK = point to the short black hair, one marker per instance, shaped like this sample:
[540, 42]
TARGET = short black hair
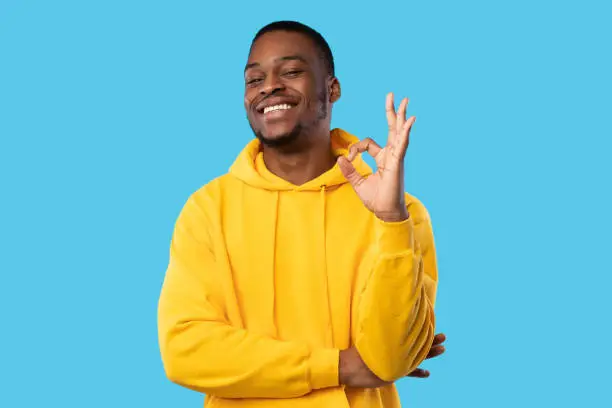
[296, 27]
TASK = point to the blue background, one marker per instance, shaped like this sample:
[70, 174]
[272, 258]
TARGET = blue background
[113, 112]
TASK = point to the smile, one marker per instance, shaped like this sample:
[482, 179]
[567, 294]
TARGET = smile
[275, 108]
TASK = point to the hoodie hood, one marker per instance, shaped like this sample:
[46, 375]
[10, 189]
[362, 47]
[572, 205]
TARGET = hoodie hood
[249, 167]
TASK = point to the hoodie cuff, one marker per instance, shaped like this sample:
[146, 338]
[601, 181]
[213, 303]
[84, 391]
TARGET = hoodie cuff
[395, 237]
[324, 368]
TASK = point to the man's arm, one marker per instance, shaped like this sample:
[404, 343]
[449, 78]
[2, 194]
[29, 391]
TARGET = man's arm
[395, 323]
[202, 351]
[395, 327]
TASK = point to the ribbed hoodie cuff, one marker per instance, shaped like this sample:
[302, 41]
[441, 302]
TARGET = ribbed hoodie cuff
[324, 368]
[395, 237]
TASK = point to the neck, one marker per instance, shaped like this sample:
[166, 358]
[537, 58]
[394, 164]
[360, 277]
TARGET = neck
[307, 159]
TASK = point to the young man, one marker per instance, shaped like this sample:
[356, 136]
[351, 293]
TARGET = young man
[301, 278]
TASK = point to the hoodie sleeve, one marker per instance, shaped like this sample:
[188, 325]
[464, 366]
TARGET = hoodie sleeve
[395, 312]
[202, 351]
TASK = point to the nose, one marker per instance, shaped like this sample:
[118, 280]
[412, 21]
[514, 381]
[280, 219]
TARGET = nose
[271, 85]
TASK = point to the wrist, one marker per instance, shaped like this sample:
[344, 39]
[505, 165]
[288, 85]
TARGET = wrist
[342, 369]
[394, 216]
[395, 237]
[345, 372]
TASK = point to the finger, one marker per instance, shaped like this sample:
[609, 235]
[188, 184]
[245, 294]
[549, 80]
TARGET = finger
[365, 145]
[404, 137]
[439, 339]
[436, 351]
[391, 116]
[401, 115]
[350, 172]
[419, 373]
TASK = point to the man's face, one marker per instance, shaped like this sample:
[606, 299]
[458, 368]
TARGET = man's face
[285, 87]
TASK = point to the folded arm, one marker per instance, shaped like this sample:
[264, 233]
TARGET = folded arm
[396, 322]
[202, 351]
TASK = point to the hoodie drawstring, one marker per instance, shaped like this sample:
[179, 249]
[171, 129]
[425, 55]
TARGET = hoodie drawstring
[274, 237]
[330, 330]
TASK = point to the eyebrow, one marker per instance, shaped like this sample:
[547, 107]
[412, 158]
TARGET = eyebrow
[287, 58]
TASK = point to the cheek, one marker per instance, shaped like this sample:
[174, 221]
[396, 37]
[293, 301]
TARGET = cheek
[248, 101]
[313, 97]
[306, 91]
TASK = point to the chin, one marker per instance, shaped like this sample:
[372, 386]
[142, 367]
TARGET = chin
[278, 137]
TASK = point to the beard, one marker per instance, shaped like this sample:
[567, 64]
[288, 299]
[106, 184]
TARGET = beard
[288, 139]
[281, 141]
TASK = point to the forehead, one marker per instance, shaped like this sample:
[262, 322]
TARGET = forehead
[277, 44]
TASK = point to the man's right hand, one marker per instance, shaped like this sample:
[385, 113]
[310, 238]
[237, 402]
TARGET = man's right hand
[353, 372]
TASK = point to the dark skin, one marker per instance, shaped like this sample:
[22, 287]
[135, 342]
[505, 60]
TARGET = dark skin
[354, 372]
[285, 68]
[288, 99]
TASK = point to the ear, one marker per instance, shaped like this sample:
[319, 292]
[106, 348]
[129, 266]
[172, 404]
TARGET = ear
[335, 91]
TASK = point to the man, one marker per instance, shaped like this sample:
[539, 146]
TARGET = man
[301, 278]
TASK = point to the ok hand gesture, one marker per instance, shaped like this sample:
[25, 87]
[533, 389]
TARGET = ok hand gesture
[383, 192]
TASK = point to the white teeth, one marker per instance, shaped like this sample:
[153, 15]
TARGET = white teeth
[277, 107]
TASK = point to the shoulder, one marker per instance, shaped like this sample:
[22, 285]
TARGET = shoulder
[417, 209]
[212, 196]
[201, 202]
[212, 192]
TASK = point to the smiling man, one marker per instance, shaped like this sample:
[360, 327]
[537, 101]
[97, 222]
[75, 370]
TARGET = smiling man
[301, 278]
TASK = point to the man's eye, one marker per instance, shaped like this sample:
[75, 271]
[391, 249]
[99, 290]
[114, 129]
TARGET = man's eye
[292, 73]
[253, 81]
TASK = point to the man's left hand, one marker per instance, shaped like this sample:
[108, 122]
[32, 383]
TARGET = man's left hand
[353, 371]
[383, 192]
[437, 349]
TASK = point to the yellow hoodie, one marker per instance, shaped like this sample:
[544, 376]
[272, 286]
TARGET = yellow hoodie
[267, 281]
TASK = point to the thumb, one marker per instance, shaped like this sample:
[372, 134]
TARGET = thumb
[349, 171]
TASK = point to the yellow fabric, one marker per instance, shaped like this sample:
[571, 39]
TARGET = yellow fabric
[267, 281]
